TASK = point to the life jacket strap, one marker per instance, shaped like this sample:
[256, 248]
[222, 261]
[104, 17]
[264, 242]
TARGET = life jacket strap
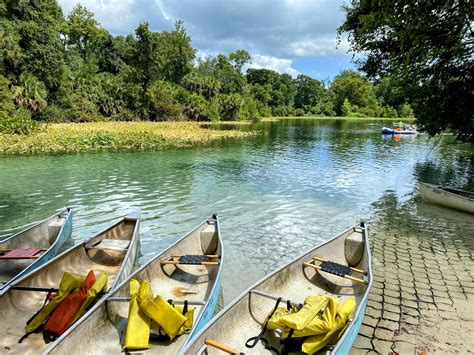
[253, 341]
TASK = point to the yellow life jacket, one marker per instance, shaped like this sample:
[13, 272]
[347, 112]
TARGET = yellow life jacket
[188, 313]
[160, 311]
[99, 286]
[316, 342]
[69, 282]
[137, 334]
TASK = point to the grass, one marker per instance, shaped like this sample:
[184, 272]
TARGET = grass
[82, 137]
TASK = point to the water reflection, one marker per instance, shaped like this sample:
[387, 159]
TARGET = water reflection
[297, 184]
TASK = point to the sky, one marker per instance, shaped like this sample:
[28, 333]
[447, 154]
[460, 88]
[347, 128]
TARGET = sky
[289, 36]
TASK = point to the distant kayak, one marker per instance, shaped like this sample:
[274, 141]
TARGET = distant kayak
[386, 130]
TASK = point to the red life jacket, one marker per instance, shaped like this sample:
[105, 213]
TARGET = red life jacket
[64, 313]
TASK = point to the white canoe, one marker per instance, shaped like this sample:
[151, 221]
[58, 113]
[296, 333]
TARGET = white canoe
[44, 239]
[448, 197]
[245, 317]
[102, 329]
[112, 251]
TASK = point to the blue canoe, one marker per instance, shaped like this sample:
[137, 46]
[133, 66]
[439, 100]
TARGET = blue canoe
[189, 270]
[293, 283]
[25, 251]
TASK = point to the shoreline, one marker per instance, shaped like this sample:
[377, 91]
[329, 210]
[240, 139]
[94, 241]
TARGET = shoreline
[134, 136]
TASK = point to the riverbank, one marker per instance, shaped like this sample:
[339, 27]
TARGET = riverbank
[83, 137]
[350, 118]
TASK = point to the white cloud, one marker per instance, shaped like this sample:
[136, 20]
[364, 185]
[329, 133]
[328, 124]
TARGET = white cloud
[268, 62]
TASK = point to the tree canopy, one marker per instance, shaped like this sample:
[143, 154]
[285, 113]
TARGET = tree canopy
[55, 68]
[426, 49]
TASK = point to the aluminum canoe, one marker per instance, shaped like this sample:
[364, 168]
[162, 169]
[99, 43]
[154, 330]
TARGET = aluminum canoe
[112, 251]
[102, 329]
[245, 317]
[48, 235]
[448, 197]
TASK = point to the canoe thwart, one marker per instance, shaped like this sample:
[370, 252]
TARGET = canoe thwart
[127, 299]
[28, 253]
[335, 272]
[360, 271]
[267, 295]
[223, 347]
[207, 260]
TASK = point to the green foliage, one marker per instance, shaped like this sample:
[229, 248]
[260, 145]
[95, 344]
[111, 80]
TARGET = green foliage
[18, 122]
[230, 106]
[239, 58]
[346, 108]
[6, 98]
[163, 103]
[309, 92]
[31, 93]
[299, 112]
[428, 47]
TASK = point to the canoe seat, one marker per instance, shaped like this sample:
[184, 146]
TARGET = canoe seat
[28, 253]
[336, 269]
[209, 260]
[111, 244]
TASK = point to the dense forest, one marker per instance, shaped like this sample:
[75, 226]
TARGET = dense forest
[70, 69]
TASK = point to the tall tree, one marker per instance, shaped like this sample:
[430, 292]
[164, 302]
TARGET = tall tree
[429, 47]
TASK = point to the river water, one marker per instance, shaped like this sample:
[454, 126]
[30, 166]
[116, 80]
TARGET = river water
[297, 184]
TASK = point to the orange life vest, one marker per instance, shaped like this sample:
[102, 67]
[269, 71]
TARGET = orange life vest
[64, 313]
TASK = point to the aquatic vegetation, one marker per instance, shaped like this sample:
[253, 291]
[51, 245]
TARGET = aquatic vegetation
[70, 137]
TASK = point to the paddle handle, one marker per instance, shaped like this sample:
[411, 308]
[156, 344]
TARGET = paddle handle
[220, 346]
[317, 267]
[360, 271]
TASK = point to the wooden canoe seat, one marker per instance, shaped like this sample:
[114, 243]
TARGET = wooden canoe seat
[28, 253]
[111, 244]
[336, 269]
[207, 260]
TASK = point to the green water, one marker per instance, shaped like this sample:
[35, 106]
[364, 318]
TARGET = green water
[296, 185]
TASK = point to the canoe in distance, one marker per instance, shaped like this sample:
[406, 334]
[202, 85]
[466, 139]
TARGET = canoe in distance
[448, 197]
[102, 330]
[46, 237]
[244, 318]
[112, 251]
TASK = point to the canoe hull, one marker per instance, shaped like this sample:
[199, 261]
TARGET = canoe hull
[245, 316]
[19, 305]
[63, 235]
[432, 193]
[102, 329]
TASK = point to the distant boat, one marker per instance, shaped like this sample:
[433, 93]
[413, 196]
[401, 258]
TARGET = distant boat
[387, 130]
[25, 251]
[448, 197]
[308, 275]
[188, 272]
[112, 251]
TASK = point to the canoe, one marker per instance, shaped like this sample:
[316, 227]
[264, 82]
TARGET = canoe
[448, 197]
[386, 130]
[112, 251]
[25, 251]
[245, 317]
[102, 330]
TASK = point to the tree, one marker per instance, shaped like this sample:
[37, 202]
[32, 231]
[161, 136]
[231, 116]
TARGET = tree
[428, 47]
[354, 87]
[239, 58]
[309, 92]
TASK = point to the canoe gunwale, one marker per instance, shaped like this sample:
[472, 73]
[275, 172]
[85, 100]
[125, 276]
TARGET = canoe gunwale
[112, 292]
[248, 291]
[366, 293]
[39, 261]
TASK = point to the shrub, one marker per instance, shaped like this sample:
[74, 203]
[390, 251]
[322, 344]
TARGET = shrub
[230, 106]
[163, 101]
[53, 113]
[19, 122]
[299, 112]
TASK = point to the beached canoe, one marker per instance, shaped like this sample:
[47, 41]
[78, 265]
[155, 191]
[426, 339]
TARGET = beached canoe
[246, 316]
[448, 197]
[102, 330]
[25, 251]
[112, 251]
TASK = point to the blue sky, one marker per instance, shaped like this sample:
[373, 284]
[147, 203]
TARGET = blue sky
[289, 36]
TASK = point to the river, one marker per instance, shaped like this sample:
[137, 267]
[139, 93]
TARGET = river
[297, 184]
